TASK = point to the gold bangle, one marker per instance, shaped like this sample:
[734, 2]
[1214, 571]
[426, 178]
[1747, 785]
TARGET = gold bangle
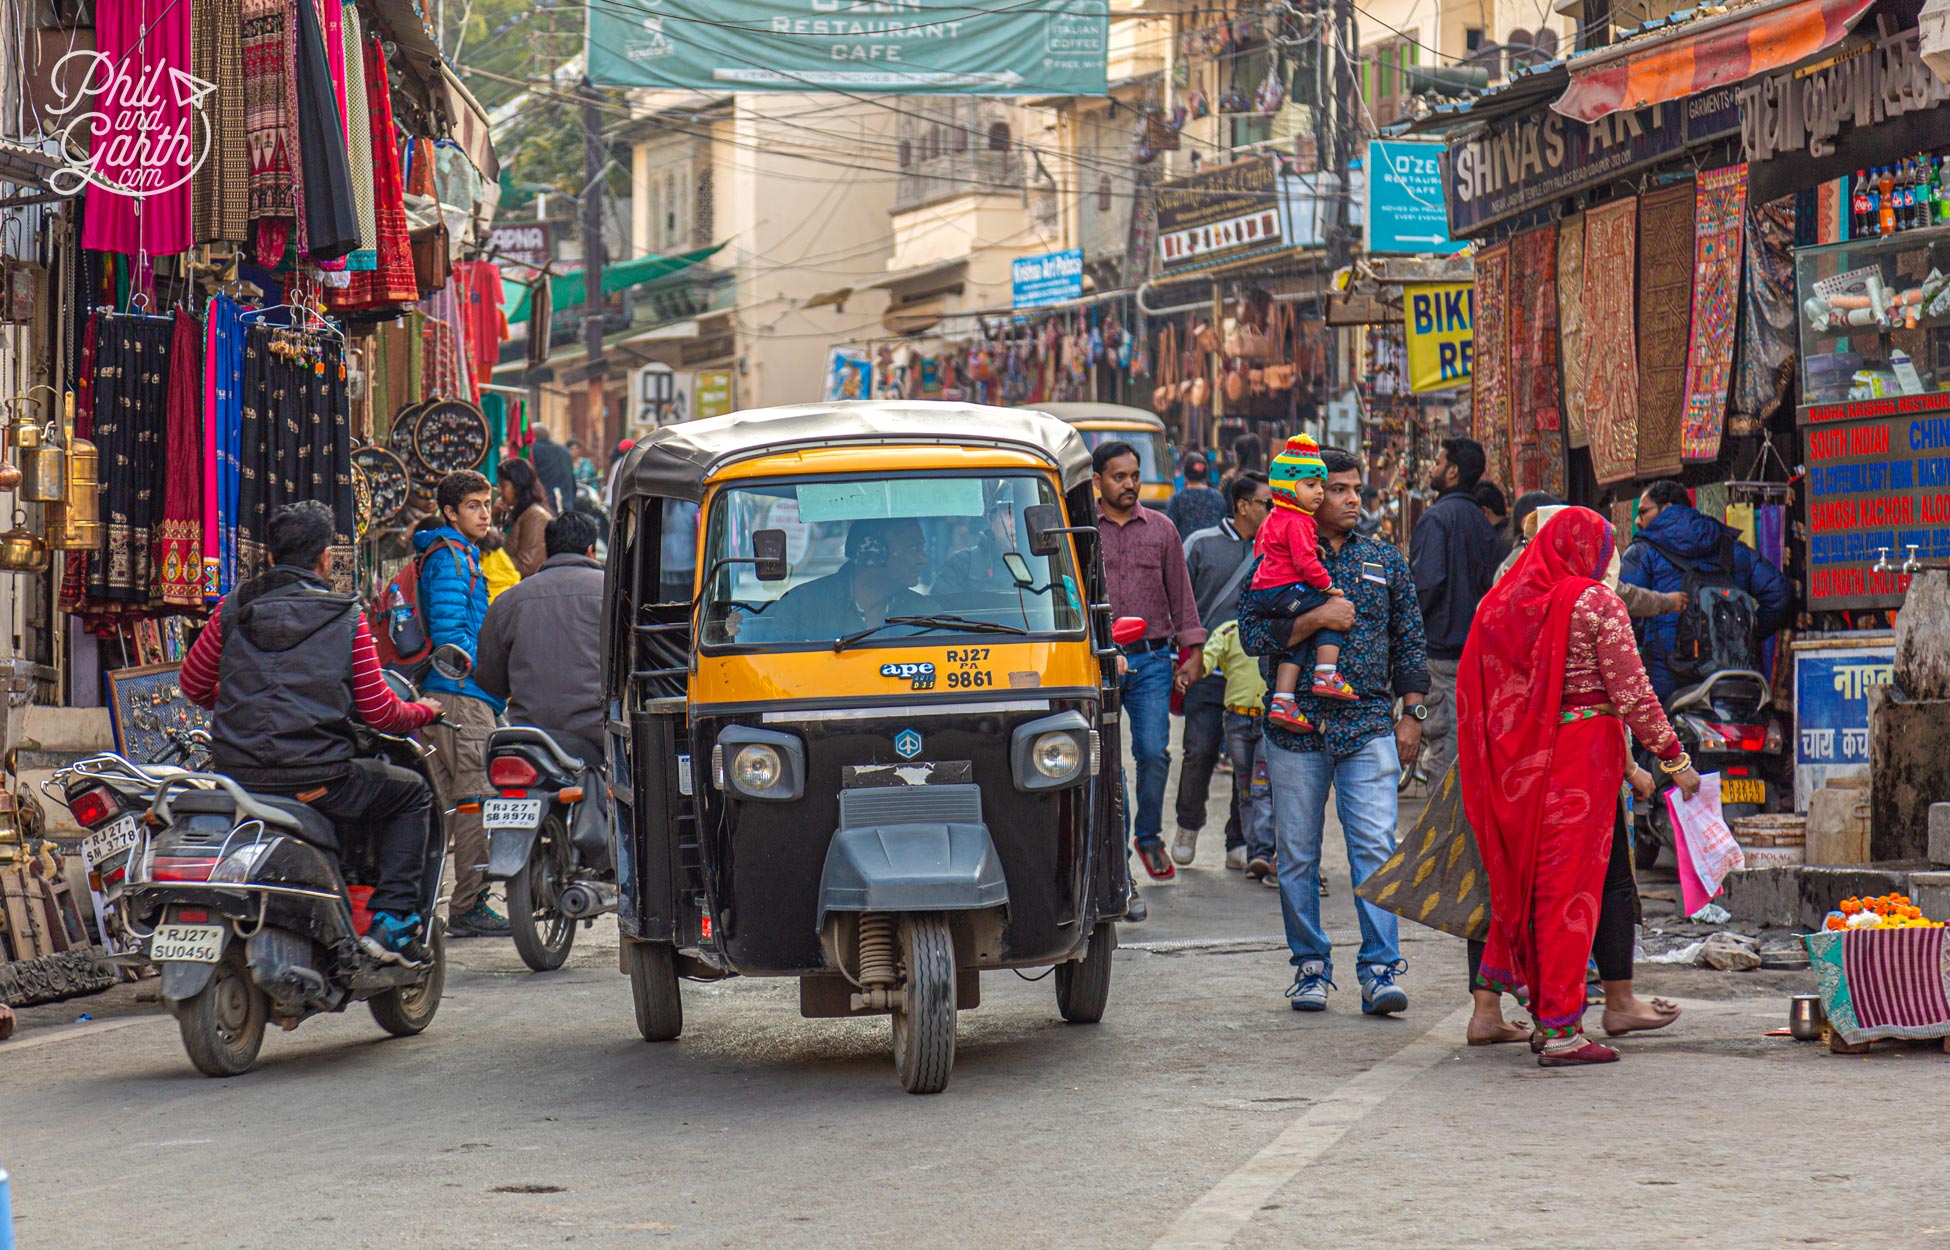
[1680, 765]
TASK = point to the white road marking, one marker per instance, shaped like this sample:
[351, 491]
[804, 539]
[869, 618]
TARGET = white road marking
[72, 1032]
[1225, 1209]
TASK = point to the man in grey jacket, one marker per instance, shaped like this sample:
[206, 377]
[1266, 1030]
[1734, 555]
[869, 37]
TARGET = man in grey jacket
[541, 644]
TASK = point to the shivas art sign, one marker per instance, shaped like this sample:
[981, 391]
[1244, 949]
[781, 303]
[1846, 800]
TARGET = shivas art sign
[131, 130]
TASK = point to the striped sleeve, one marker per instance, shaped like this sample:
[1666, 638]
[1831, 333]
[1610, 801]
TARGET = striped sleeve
[198, 680]
[375, 701]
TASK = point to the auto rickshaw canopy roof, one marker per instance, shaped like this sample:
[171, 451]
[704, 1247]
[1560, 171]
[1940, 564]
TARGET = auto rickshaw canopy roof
[1078, 412]
[676, 461]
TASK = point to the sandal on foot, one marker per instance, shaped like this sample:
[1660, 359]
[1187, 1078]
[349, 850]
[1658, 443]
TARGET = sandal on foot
[1590, 1052]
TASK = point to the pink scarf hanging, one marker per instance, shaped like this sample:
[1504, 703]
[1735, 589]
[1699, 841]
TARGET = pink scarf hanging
[144, 40]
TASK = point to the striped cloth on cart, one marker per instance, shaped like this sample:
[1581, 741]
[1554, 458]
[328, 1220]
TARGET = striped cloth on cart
[1880, 983]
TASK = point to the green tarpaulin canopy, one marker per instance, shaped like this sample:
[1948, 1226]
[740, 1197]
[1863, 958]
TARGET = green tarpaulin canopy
[565, 290]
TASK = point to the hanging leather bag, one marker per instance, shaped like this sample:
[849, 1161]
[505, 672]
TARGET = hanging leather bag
[432, 263]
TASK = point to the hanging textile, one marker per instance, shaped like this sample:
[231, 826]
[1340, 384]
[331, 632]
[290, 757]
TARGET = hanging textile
[223, 406]
[419, 174]
[269, 46]
[1719, 212]
[1768, 343]
[1610, 346]
[176, 560]
[1665, 310]
[144, 39]
[1570, 325]
[221, 195]
[1537, 435]
[295, 442]
[358, 141]
[77, 564]
[389, 281]
[328, 225]
[487, 325]
[131, 405]
[1492, 400]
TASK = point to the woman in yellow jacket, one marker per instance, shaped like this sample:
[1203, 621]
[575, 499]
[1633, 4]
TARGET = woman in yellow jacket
[499, 570]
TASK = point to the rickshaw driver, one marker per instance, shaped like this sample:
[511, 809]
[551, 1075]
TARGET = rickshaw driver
[884, 558]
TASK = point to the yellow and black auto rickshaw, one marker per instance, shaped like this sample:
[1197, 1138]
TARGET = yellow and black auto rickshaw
[864, 727]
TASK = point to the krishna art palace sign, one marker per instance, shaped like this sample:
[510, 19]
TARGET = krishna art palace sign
[131, 130]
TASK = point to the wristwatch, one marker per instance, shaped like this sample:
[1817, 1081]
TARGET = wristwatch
[1420, 711]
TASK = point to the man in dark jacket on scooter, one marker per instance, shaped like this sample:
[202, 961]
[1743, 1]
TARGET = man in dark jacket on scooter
[287, 663]
[541, 644]
[1668, 523]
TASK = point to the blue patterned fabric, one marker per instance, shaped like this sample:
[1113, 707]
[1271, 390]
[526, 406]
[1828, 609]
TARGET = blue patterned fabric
[1383, 657]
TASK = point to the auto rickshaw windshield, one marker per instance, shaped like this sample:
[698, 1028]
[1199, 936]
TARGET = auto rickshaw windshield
[1154, 465]
[862, 550]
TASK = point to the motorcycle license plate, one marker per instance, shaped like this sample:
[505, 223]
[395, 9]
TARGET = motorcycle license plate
[186, 943]
[99, 846]
[511, 813]
[1743, 790]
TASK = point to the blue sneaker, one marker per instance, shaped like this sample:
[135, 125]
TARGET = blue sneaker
[1310, 985]
[1380, 996]
[393, 938]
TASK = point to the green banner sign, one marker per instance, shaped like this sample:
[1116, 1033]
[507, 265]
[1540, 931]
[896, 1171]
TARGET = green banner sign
[902, 47]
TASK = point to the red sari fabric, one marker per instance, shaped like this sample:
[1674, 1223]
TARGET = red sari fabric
[177, 558]
[392, 282]
[1538, 793]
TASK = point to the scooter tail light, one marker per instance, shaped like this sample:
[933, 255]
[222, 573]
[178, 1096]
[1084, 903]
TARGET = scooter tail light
[182, 868]
[511, 772]
[93, 807]
[1742, 737]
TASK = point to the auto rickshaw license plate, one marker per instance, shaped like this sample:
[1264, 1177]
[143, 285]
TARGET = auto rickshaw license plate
[511, 813]
[186, 943]
[1743, 790]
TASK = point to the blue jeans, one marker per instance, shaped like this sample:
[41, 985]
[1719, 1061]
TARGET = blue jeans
[1147, 723]
[1288, 603]
[1252, 789]
[1364, 795]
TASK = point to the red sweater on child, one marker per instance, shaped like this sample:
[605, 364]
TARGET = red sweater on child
[1289, 550]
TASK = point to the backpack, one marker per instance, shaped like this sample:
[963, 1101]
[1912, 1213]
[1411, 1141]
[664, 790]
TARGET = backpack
[1718, 629]
[399, 628]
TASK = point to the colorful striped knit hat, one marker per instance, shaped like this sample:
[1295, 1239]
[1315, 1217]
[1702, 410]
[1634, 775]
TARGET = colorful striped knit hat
[1300, 458]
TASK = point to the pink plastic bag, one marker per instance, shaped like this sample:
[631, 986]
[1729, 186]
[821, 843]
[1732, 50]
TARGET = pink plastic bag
[1702, 843]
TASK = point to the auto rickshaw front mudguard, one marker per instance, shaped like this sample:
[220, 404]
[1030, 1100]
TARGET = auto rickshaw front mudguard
[912, 867]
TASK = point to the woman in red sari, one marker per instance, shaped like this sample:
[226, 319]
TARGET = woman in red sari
[1549, 670]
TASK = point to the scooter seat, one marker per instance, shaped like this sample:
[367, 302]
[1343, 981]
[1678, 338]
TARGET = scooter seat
[306, 822]
[570, 753]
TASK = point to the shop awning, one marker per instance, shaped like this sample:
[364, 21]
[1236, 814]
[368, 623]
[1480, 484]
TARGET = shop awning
[565, 290]
[1685, 57]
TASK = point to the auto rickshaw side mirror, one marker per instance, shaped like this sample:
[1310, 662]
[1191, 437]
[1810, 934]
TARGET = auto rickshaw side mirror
[1045, 522]
[1018, 568]
[769, 548]
[1128, 629]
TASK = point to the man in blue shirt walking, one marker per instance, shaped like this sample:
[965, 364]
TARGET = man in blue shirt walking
[1360, 751]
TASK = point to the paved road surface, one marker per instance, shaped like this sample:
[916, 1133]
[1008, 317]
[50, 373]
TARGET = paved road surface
[1202, 1112]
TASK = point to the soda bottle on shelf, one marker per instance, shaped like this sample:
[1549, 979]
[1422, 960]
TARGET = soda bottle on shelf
[1906, 197]
[1858, 205]
[1936, 191]
[1886, 213]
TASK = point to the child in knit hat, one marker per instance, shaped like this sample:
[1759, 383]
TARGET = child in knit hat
[1291, 581]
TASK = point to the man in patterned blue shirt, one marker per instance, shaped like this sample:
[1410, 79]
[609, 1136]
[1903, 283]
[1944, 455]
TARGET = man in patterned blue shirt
[1360, 751]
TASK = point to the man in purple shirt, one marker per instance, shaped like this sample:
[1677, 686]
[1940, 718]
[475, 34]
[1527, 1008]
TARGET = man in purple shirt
[1144, 566]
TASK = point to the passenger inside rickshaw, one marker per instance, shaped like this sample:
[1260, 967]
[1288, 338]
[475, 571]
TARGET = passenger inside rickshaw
[929, 555]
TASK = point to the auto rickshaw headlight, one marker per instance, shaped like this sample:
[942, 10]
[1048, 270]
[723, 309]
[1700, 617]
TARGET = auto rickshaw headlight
[755, 768]
[1056, 756]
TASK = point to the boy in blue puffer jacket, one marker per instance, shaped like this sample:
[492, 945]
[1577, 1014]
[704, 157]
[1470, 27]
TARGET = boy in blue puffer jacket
[454, 601]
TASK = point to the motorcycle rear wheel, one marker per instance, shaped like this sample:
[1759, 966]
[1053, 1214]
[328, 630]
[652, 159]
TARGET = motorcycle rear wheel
[409, 1010]
[223, 1024]
[543, 935]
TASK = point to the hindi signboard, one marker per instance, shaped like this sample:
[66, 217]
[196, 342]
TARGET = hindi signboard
[907, 47]
[1832, 679]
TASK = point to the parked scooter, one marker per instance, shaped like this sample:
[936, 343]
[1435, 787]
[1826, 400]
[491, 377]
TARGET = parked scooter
[1728, 724]
[253, 911]
[548, 838]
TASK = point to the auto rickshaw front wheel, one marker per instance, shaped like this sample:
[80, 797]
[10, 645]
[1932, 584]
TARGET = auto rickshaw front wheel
[924, 1021]
[1083, 985]
[653, 987]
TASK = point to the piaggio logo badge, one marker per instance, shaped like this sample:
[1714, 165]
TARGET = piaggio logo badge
[907, 744]
[142, 132]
